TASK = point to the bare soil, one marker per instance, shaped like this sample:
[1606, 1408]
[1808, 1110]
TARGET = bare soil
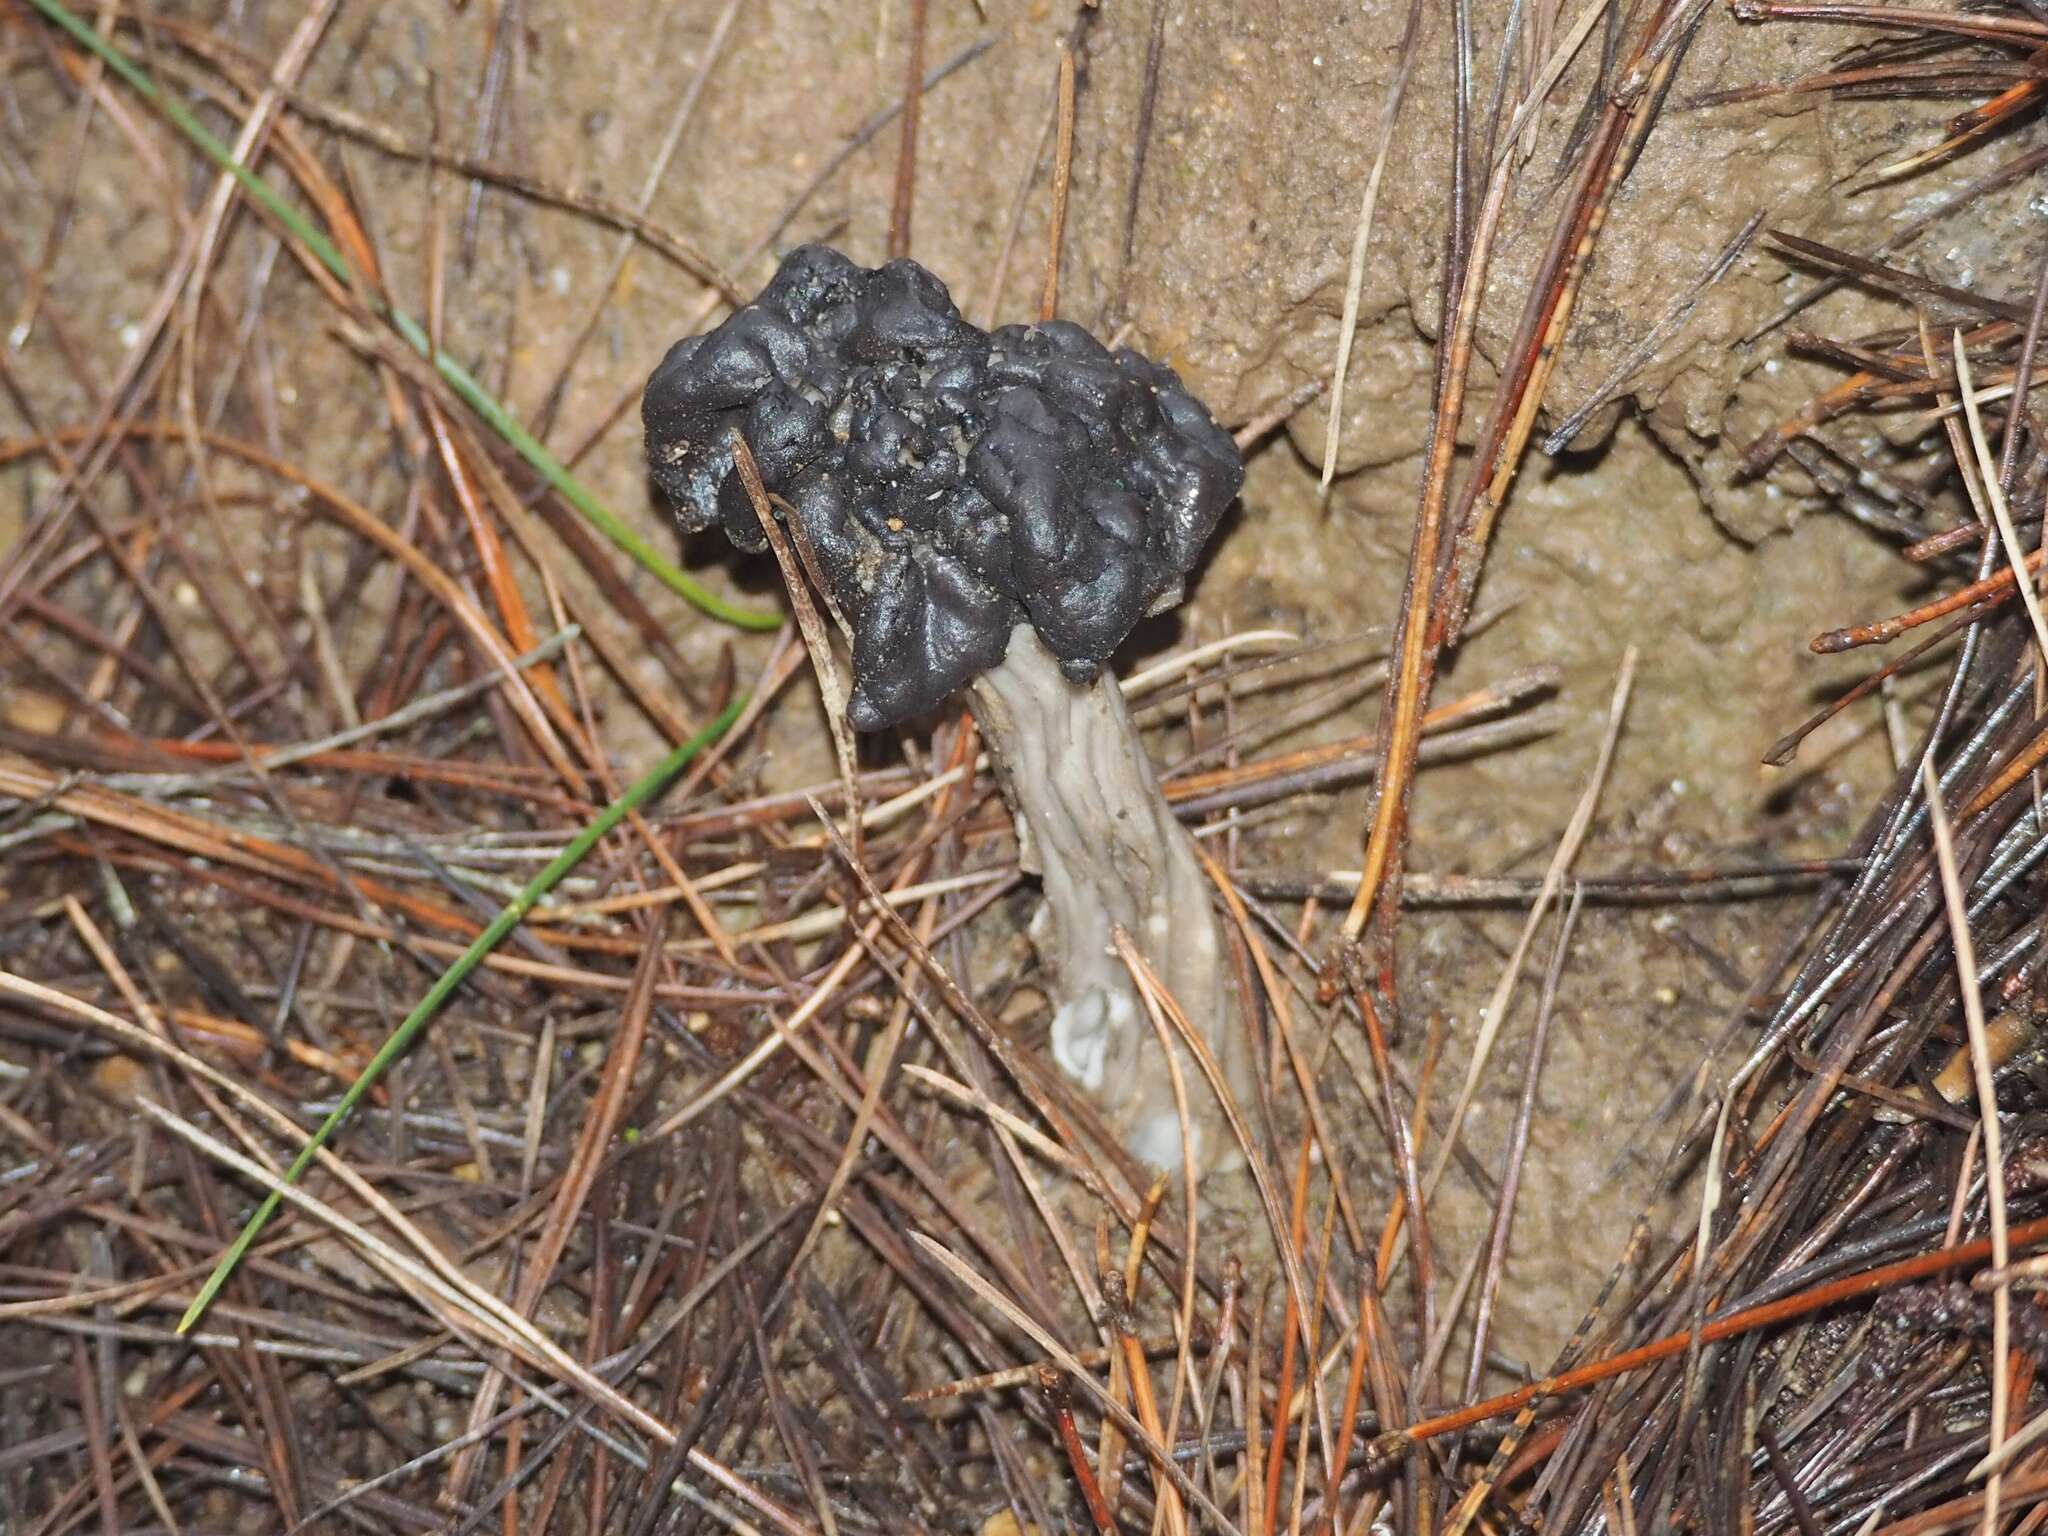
[1259, 144]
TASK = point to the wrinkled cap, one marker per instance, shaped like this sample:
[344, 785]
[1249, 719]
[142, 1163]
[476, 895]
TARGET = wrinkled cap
[952, 482]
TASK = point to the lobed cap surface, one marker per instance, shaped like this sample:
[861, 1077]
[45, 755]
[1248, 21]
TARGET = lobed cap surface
[952, 482]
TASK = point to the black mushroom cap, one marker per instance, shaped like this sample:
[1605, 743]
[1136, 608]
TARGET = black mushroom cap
[952, 482]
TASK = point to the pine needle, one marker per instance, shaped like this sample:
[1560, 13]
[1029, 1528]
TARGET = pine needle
[401, 1039]
[458, 378]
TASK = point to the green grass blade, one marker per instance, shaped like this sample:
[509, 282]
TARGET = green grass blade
[578, 496]
[444, 986]
[458, 378]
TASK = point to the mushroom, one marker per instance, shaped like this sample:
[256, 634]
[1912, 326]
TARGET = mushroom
[993, 511]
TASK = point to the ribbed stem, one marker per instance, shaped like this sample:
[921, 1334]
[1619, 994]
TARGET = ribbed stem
[1110, 852]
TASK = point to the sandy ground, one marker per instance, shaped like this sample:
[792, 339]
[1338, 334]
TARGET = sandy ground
[1263, 131]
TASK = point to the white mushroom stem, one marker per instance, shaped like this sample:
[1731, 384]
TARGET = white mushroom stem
[1097, 831]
